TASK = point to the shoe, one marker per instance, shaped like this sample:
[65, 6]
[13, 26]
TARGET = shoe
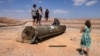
[81, 53]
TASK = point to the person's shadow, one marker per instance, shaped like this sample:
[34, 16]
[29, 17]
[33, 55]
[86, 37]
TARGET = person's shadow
[79, 50]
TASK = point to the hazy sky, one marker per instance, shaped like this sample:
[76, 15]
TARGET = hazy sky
[58, 8]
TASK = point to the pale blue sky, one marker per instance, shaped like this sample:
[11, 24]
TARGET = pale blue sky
[58, 8]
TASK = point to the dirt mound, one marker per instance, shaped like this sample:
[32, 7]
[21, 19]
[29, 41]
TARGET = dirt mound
[9, 22]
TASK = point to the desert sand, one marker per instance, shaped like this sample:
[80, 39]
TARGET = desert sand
[11, 35]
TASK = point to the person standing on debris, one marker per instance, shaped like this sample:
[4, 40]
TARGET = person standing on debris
[86, 39]
[33, 12]
[40, 15]
[37, 16]
[46, 14]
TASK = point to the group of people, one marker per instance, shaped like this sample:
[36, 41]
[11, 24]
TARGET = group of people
[37, 14]
[85, 40]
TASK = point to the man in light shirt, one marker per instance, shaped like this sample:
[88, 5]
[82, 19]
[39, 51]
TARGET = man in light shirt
[33, 12]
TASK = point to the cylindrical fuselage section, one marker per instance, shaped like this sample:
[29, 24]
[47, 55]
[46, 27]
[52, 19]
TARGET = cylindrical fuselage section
[42, 31]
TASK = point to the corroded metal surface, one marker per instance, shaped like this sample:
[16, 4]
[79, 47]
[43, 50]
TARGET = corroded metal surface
[32, 34]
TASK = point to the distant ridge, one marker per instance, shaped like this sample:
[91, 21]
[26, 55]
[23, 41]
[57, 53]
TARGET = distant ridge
[10, 22]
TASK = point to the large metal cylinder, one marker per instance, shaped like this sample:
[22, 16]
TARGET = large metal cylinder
[31, 34]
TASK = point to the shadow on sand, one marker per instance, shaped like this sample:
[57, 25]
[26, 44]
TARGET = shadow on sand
[50, 37]
[79, 50]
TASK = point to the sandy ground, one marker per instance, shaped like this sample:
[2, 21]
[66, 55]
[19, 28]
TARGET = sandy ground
[70, 41]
